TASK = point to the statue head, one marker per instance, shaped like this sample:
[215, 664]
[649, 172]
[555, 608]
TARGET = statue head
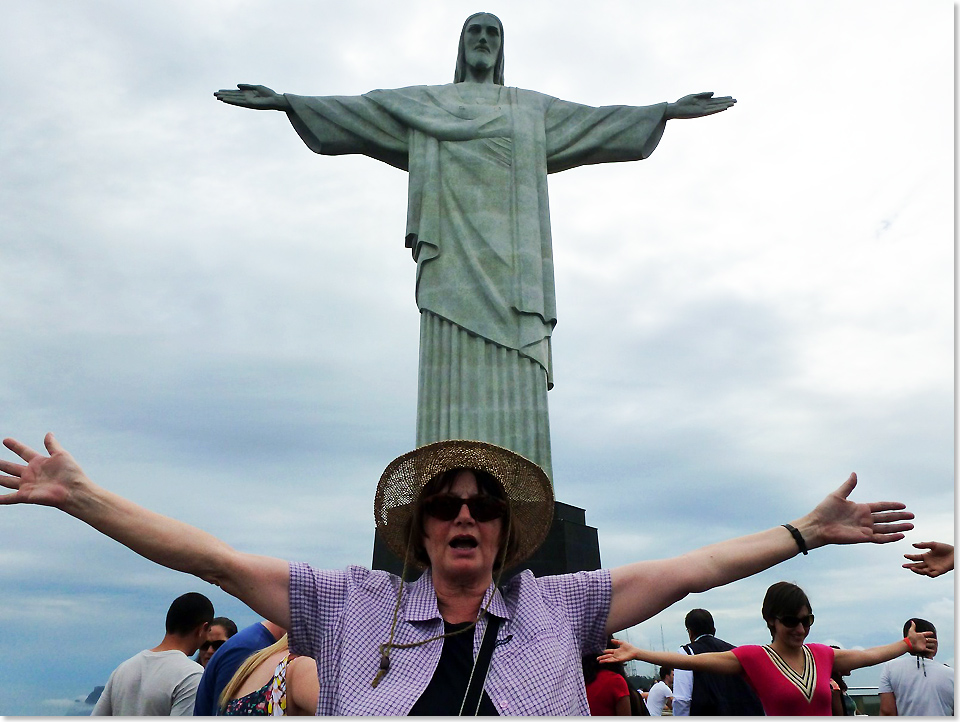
[460, 73]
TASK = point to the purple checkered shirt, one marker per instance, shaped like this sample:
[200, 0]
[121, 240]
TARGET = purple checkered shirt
[340, 617]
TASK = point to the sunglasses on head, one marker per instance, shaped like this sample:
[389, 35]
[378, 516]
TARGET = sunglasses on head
[791, 621]
[446, 507]
[216, 644]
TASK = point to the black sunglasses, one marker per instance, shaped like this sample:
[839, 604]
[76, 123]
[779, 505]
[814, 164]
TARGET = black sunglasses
[790, 621]
[216, 644]
[446, 507]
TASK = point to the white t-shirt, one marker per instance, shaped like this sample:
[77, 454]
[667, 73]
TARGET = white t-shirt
[151, 684]
[659, 694]
[920, 691]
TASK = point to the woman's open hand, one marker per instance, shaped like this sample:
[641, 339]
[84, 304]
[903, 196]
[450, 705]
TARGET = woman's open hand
[837, 520]
[46, 480]
[938, 560]
[920, 641]
[622, 652]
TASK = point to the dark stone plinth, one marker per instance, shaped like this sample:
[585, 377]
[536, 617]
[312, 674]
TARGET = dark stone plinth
[571, 546]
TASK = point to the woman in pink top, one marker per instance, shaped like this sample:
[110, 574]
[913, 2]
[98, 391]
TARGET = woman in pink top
[790, 677]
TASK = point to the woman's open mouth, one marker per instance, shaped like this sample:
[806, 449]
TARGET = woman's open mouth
[464, 542]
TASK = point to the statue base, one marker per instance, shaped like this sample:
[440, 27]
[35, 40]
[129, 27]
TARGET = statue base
[570, 546]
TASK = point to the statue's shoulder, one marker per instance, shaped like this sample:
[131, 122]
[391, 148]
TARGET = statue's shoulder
[451, 89]
[531, 97]
[415, 91]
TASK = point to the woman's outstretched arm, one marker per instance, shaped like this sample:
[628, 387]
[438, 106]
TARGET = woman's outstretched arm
[713, 662]
[58, 481]
[847, 660]
[643, 589]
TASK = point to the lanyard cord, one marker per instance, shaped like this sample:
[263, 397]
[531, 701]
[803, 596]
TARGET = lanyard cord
[390, 644]
[484, 655]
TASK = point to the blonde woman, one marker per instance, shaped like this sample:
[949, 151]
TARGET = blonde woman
[272, 682]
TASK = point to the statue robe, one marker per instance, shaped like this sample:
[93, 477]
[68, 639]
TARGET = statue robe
[478, 224]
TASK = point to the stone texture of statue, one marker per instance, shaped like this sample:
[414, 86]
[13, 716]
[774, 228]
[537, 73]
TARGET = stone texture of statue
[478, 221]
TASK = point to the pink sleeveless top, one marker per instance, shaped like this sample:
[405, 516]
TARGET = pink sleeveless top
[782, 691]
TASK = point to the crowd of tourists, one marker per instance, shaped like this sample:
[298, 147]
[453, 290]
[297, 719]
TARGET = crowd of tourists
[789, 677]
[462, 638]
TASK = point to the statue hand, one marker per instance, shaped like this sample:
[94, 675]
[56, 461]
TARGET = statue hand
[698, 105]
[257, 97]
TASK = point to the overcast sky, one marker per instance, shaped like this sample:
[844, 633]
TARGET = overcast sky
[220, 324]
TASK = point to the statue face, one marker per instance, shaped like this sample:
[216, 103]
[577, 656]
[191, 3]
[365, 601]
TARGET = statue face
[482, 42]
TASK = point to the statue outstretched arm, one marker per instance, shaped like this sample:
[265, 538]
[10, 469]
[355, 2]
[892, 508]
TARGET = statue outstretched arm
[698, 105]
[257, 97]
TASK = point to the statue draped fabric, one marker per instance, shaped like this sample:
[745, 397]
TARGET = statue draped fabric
[478, 224]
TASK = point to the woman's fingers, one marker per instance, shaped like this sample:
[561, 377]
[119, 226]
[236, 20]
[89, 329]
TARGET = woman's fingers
[848, 486]
[9, 482]
[21, 450]
[9, 467]
[879, 507]
[51, 444]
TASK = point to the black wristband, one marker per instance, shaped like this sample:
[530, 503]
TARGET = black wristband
[797, 536]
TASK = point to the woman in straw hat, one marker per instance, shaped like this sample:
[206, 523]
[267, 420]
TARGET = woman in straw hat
[464, 510]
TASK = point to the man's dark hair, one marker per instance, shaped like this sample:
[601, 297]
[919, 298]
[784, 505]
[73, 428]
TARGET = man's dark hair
[228, 624]
[781, 600]
[922, 626]
[665, 671]
[699, 621]
[188, 612]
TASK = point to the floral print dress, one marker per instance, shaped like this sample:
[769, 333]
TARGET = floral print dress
[269, 700]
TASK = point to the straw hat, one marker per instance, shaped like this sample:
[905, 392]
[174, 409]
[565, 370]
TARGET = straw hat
[526, 486]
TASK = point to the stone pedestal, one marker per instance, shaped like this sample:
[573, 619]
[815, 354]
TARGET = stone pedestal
[571, 546]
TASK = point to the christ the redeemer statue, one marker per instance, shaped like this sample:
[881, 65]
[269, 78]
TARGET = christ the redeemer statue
[478, 221]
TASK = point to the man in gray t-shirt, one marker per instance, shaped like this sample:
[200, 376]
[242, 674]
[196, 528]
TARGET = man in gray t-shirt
[163, 680]
[915, 685]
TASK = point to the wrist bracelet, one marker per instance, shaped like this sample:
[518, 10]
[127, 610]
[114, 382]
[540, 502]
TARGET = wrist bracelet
[909, 646]
[797, 536]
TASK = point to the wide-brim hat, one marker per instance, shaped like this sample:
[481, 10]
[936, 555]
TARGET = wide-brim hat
[526, 486]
